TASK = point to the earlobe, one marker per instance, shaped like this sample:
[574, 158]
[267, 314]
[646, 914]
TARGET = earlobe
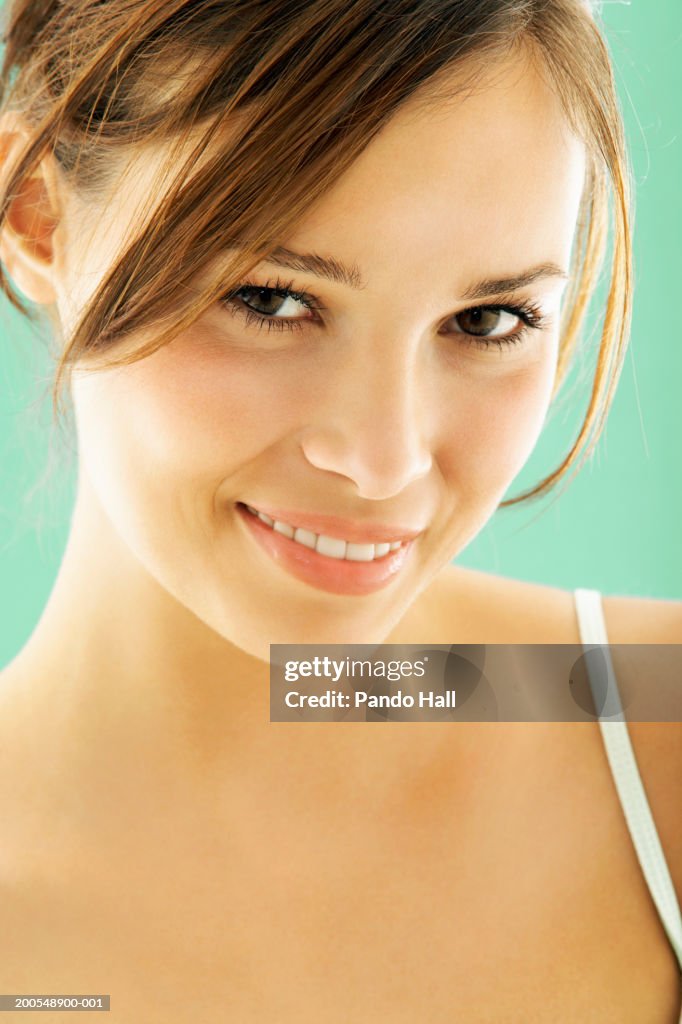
[27, 235]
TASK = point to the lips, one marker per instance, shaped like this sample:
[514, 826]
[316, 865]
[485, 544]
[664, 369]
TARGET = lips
[335, 575]
[353, 530]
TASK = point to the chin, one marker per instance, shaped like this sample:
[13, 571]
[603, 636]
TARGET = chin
[324, 634]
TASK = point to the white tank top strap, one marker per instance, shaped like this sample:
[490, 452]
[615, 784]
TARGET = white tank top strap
[628, 782]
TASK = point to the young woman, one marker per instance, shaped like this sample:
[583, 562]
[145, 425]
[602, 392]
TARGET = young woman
[315, 272]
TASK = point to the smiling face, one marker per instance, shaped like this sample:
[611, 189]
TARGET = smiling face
[409, 393]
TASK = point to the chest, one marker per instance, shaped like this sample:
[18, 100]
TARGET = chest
[506, 896]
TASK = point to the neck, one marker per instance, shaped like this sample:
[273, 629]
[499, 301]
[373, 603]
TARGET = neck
[115, 653]
[112, 638]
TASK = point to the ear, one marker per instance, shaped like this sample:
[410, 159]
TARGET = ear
[28, 247]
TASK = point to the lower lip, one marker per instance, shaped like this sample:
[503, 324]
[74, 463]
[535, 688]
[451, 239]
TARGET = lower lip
[335, 575]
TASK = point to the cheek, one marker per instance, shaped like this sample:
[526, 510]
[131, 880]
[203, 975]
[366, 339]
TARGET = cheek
[176, 424]
[206, 415]
[496, 427]
[169, 431]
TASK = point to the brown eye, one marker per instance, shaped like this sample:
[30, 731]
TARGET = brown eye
[272, 306]
[482, 321]
[269, 301]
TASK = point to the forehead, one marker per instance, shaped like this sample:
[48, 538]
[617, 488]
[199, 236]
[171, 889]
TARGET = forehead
[475, 173]
[475, 170]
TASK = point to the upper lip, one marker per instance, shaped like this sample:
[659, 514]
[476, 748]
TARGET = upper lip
[353, 530]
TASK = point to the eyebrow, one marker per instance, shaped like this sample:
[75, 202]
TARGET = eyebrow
[350, 275]
[496, 285]
[320, 266]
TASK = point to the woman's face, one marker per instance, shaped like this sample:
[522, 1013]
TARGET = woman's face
[410, 401]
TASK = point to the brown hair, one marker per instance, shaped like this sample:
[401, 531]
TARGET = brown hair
[286, 94]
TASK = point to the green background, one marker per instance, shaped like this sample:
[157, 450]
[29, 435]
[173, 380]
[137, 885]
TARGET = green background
[616, 528]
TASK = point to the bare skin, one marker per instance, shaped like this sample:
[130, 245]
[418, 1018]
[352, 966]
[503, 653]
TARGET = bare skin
[393, 882]
[162, 840]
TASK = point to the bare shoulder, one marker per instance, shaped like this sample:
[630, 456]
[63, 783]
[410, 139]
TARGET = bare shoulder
[643, 620]
[484, 608]
[657, 745]
[480, 607]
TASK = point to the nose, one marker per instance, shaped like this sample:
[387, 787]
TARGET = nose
[373, 426]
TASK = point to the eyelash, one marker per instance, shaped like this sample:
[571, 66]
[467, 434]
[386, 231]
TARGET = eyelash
[528, 313]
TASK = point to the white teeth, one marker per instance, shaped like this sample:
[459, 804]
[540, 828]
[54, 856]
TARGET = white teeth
[305, 537]
[284, 528]
[360, 552]
[330, 546]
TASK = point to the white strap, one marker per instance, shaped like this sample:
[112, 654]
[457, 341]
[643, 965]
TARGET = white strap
[623, 764]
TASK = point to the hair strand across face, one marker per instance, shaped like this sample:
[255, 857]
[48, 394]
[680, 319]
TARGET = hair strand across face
[281, 98]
